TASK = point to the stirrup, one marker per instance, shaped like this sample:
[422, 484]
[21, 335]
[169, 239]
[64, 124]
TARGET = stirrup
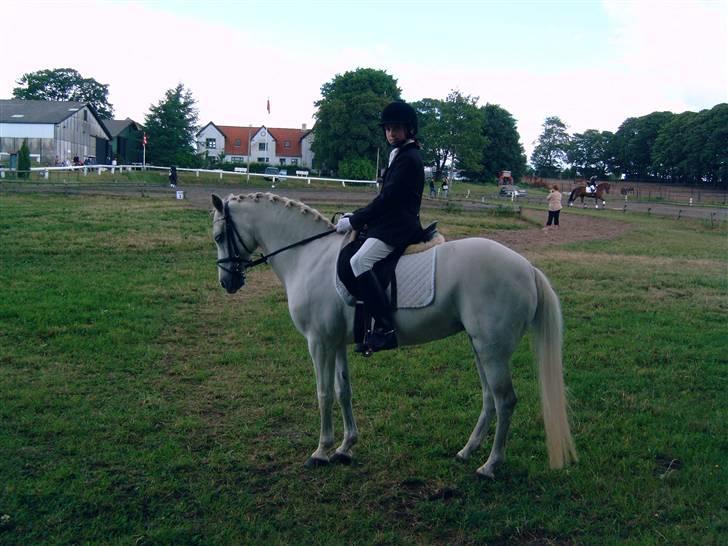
[380, 340]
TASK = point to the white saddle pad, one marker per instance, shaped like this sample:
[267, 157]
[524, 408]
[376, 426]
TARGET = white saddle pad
[415, 281]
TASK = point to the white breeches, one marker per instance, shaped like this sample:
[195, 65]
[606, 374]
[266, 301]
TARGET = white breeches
[372, 251]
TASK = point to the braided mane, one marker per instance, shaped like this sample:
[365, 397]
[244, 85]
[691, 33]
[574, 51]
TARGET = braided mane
[285, 201]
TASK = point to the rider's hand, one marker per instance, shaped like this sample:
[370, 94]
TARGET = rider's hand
[343, 225]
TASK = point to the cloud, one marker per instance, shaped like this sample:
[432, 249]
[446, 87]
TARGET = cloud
[658, 56]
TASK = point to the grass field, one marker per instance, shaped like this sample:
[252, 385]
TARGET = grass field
[140, 404]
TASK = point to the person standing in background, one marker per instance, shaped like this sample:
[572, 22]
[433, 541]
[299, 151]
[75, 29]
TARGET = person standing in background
[173, 177]
[554, 201]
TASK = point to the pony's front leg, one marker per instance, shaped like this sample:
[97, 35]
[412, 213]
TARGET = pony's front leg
[324, 364]
[343, 395]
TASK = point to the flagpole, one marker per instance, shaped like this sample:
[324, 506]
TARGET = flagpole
[267, 134]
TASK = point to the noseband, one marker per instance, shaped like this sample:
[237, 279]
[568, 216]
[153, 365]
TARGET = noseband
[238, 264]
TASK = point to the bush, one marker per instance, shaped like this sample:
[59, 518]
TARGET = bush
[356, 169]
[24, 161]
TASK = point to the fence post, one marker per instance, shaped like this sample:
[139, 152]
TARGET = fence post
[679, 213]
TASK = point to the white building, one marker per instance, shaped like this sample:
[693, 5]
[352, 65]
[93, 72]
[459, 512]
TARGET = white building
[277, 146]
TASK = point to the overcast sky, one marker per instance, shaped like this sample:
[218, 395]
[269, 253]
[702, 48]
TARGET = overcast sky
[592, 63]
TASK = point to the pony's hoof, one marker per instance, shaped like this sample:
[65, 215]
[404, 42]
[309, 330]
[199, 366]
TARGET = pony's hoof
[459, 457]
[340, 458]
[485, 475]
[315, 463]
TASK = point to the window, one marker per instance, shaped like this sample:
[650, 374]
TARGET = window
[294, 161]
[211, 143]
[85, 115]
[286, 143]
[237, 159]
[263, 160]
[282, 160]
[237, 143]
[262, 146]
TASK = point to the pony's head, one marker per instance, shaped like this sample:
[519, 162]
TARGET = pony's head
[232, 252]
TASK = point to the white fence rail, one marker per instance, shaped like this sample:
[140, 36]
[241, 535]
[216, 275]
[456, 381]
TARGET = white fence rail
[98, 169]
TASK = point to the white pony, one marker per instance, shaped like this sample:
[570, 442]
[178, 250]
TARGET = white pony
[482, 287]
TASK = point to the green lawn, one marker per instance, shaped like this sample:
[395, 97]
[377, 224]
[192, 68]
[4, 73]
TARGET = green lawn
[140, 404]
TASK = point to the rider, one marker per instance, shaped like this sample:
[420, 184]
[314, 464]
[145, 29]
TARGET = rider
[592, 187]
[391, 219]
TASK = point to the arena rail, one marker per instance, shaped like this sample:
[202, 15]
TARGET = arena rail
[89, 169]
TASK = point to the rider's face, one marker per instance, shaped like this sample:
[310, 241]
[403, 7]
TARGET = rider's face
[396, 134]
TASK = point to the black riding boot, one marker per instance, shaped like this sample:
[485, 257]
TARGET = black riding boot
[383, 335]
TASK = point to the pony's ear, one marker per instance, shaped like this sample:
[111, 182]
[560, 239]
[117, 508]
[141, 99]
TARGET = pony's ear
[217, 203]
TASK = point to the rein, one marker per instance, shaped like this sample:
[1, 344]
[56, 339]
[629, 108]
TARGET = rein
[240, 265]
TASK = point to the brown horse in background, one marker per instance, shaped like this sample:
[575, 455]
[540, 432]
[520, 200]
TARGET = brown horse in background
[580, 191]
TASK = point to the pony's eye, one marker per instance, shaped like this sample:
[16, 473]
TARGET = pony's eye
[219, 238]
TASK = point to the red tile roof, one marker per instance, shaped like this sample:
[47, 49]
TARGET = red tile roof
[280, 135]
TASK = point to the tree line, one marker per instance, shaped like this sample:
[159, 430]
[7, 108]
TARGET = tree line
[686, 148]
[455, 132]
[170, 125]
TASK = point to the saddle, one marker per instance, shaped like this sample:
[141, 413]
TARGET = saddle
[384, 271]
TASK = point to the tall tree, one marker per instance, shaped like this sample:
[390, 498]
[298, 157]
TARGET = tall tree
[672, 156]
[433, 134]
[713, 150]
[588, 152]
[171, 126]
[347, 116]
[503, 149]
[549, 155]
[633, 143]
[450, 131]
[62, 84]
[24, 160]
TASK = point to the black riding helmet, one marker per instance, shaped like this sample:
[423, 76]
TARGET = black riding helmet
[401, 113]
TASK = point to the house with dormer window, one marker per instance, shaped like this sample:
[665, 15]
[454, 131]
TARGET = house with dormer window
[275, 145]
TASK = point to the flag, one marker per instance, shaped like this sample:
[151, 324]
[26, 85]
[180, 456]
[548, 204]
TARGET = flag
[145, 139]
[267, 105]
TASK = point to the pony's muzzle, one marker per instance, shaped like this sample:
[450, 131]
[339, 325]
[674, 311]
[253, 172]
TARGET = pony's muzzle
[232, 284]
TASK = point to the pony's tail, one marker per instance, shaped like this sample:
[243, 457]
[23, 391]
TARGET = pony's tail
[547, 327]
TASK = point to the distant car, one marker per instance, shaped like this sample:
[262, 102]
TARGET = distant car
[460, 177]
[283, 174]
[512, 191]
[270, 172]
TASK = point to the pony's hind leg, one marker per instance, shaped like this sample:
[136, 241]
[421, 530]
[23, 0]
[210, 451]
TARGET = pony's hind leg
[486, 415]
[494, 362]
[343, 395]
[324, 364]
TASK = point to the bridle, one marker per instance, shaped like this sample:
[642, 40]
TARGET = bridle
[239, 265]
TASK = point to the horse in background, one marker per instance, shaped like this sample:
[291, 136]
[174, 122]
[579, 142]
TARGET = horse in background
[597, 195]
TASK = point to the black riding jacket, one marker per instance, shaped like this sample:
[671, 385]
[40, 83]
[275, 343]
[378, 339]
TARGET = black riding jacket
[393, 216]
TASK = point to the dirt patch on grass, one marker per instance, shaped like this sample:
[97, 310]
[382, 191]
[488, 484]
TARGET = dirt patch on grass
[573, 228]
